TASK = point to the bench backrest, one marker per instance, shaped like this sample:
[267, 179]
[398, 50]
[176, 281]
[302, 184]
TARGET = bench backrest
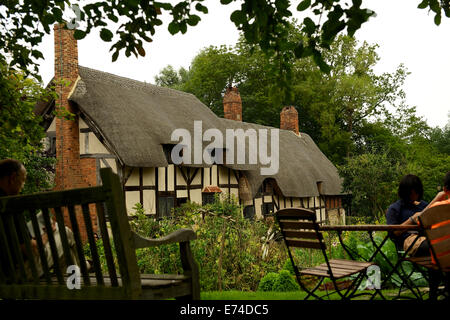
[436, 222]
[77, 208]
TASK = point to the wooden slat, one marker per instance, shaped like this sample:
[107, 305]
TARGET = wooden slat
[299, 213]
[351, 262]
[53, 199]
[313, 272]
[444, 262]
[287, 224]
[92, 243]
[38, 237]
[442, 246]
[435, 215]
[4, 242]
[14, 244]
[423, 261]
[28, 250]
[336, 271]
[439, 232]
[78, 244]
[301, 234]
[122, 235]
[52, 242]
[106, 244]
[303, 244]
[63, 235]
[347, 268]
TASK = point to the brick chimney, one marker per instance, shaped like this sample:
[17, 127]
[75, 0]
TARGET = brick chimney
[71, 171]
[68, 167]
[289, 119]
[232, 104]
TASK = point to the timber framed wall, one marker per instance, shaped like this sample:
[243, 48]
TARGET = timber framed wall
[148, 186]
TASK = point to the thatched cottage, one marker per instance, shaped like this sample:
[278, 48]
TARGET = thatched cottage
[127, 125]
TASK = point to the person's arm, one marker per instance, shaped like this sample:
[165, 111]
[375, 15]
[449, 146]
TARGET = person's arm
[439, 197]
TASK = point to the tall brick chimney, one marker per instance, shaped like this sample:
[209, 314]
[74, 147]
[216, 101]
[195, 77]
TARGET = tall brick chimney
[71, 171]
[232, 104]
[68, 168]
[289, 119]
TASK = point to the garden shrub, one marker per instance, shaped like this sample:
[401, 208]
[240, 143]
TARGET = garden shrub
[228, 248]
[282, 282]
[268, 281]
[285, 282]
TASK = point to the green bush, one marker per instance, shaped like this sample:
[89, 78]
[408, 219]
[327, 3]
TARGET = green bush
[267, 283]
[280, 282]
[285, 282]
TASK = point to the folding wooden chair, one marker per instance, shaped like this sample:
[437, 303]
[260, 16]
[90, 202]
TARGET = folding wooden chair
[435, 224]
[300, 230]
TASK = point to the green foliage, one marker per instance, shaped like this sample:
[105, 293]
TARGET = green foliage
[228, 248]
[128, 24]
[285, 282]
[20, 132]
[288, 266]
[280, 282]
[372, 178]
[268, 281]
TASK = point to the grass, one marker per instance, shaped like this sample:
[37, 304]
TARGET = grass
[260, 295]
[250, 295]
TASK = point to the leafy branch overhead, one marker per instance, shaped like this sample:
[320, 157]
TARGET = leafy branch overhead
[128, 24]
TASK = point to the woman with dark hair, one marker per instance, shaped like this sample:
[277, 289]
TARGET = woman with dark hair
[410, 192]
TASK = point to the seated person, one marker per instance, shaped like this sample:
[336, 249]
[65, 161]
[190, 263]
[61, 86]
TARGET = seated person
[12, 179]
[410, 192]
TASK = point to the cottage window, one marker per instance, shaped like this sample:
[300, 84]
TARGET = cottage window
[50, 144]
[267, 208]
[208, 197]
[165, 205]
[181, 201]
[249, 212]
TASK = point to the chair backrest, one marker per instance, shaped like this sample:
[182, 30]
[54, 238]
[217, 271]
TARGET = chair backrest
[27, 275]
[299, 228]
[436, 223]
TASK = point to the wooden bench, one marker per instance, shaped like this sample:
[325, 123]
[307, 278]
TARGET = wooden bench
[19, 278]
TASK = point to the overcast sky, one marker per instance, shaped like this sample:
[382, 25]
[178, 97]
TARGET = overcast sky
[405, 34]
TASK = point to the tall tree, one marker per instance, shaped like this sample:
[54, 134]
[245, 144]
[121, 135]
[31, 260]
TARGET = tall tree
[333, 108]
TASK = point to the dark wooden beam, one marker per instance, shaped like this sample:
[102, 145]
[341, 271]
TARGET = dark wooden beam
[156, 191]
[141, 184]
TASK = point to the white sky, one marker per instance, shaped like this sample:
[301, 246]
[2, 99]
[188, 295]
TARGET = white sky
[405, 34]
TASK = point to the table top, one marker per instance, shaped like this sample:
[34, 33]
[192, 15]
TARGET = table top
[369, 227]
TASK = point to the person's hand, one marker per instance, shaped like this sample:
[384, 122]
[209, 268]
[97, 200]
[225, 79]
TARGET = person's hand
[415, 216]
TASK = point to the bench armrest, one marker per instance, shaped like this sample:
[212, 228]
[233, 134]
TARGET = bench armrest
[181, 235]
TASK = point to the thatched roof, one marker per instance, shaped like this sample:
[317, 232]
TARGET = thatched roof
[136, 119]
